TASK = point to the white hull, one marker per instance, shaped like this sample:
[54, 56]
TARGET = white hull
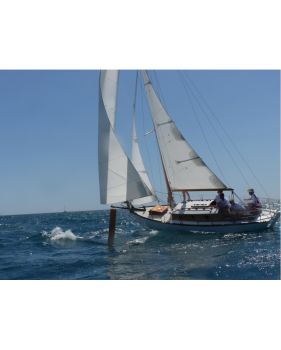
[265, 221]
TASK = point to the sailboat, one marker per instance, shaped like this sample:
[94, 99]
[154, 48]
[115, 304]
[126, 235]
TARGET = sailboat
[124, 181]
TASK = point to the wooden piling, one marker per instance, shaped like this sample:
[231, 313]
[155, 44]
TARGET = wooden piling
[112, 224]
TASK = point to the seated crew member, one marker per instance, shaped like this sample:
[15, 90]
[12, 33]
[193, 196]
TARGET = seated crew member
[217, 199]
[235, 208]
[253, 201]
[222, 204]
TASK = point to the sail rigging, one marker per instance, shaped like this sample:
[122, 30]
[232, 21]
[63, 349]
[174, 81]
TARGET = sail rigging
[184, 168]
[119, 180]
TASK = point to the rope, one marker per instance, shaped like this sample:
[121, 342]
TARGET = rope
[228, 135]
[220, 139]
[201, 129]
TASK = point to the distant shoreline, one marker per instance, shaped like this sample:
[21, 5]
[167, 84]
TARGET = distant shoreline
[55, 212]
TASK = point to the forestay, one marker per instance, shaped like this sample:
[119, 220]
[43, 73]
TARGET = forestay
[119, 180]
[184, 168]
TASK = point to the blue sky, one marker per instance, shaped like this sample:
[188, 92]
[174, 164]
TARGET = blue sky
[48, 135]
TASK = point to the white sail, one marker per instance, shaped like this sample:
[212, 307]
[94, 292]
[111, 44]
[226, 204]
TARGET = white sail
[119, 180]
[139, 165]
[109, 84]
[184, 169]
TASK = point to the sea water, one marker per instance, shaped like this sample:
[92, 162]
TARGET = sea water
[73, 245]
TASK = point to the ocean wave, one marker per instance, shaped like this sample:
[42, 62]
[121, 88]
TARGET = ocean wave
[58, 234]
[138, 241]
[153, 232]
[142, 240]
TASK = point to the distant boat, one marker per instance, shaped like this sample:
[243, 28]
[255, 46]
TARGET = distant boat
[124, 180]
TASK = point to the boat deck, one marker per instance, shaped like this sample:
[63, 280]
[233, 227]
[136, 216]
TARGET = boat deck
[201, 213]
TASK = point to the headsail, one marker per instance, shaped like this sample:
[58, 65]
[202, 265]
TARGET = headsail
[108, 88]
[184, 168]
[119, 180]
[139, 165]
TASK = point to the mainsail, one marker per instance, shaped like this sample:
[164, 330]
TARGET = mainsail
[139, 165]
[119, 180]
[184, 168]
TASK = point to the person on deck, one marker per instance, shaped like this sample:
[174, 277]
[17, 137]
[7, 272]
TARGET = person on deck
[253, 203]
[253, 200]
[222, 204]
[218, 198]
[235, 208]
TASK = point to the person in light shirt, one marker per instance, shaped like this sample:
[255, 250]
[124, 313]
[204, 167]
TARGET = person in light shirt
[217, 200]
[253, 201]
[235, 208]
[221, 203]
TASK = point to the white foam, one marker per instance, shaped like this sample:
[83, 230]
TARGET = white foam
[138, 241]
[58, 234]
[153, 232]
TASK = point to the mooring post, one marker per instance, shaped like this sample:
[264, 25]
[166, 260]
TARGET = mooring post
[112, 224]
